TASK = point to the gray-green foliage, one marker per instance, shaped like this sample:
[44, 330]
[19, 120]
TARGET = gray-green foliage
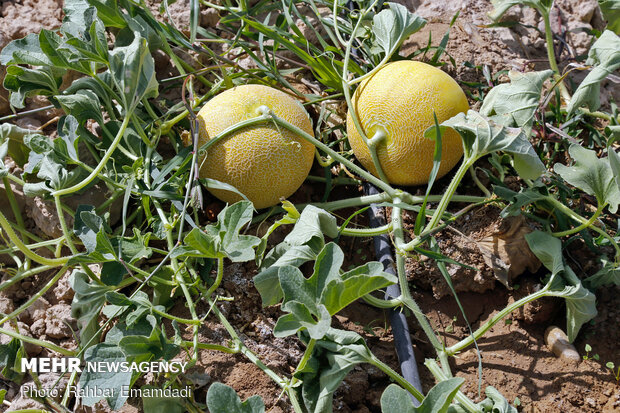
[580, 302]
[312, 301]
[593, 175]
[482, 136]
[604, 56]
[223, 399]
[392, 26]
[438, 399]
[515, 103]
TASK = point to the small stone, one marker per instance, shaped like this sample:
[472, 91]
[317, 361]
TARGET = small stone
[558, 343]
[6, 305]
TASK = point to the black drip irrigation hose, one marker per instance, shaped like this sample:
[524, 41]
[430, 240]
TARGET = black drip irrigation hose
[398, 321]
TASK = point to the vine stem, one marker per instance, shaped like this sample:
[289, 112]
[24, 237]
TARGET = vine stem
[551, 54]
[469, 340]
[566, 210]
[583, 226]
[52, 262]
[36, 342]
[396, 377]
[101, 165]
[440, 375]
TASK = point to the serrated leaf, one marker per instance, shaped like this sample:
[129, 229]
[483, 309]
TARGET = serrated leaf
[223, 399]
[112, 381]
[604, 55]
[611, 13]
[223, 239]
[591, 174]
[391, 27]
[514, 103]
[334, 356]
[482, 136]
[327, 291]
[614, 163]
[25, 82]
[302, 244]
[501, 6]
[438, 399]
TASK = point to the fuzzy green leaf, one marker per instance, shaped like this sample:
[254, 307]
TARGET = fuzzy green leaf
[114, 381]
[327, 291]
[302, 244]
[482, 136]
[604, 55]
[223, 399]
[591, 174]
[133, 71]
[393, 26]
[580, 302]
[606, 276]
[514, 103]
[438, 399]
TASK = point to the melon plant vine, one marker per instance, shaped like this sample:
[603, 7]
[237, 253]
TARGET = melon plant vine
[158, 252]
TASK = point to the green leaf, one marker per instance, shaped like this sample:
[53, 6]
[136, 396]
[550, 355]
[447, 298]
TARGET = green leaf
[133, 72]
[501, 6]
[591, 174]
[580, 302]
[10, 360]
[87, 303]
[25, 51]
[391, 27]
[13, 136]
[154, 347]
[604, 55]
[334, 356]
[606, 276]
[496, 403]
[614, 163]
[482, 136]
[112, 381]
[24, 82]
[83, 105]
[514, 103]
[223, 399]
[326, 292]
[223, 239]
[611, 13]
[109, 12]
[438, 399]
[301, 245]
[548, 249]
[519, 199]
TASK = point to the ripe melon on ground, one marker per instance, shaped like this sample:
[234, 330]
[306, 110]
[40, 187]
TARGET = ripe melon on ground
[264, 162]
[400, 98]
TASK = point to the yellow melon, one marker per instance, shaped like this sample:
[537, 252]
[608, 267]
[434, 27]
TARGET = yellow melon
[400, 99]
[264, 162]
